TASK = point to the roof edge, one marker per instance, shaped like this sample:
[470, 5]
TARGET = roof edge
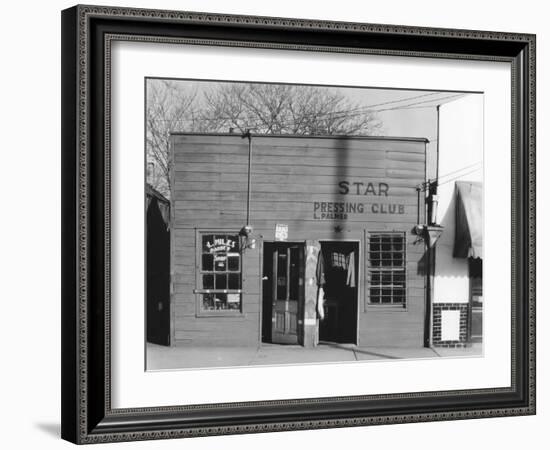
[308, 136]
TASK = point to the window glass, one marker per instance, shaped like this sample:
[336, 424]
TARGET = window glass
[221, 281]
[281, 275]
[220, 272]
[220, 263]
[221, 302]
[233, 262]
[234, 281]
[208, 281]
[386, 269]
[207, 263]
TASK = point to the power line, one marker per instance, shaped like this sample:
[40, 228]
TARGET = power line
[333, 114]
[454, 172]
[457, 177]
[367, 107]
[418, 103]
[460, 170]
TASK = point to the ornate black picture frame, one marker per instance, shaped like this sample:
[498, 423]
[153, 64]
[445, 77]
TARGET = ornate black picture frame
[87, 35]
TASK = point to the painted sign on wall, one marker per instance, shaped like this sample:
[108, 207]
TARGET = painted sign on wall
[217, 245]
[331, 210]
[363, 188]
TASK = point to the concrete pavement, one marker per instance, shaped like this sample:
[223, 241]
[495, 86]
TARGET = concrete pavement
[187, 357]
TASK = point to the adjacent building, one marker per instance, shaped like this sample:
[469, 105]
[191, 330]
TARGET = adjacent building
[157, 209]
[458, 254]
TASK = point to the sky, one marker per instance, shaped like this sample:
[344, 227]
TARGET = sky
[402, 112]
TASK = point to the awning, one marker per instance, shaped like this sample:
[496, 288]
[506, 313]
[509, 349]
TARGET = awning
[155, 197]
[469, 220]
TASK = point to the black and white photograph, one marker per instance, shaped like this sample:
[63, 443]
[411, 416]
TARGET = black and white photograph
[304, 224]
[275, 225]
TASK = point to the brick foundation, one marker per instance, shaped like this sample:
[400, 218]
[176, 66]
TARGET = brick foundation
[463, 331]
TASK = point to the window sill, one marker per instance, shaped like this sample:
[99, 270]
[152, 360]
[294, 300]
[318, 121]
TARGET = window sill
[386, 308]
[217, 291]
[210, 314]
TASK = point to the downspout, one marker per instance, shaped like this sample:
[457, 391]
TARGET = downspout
[248, 135]
[429, 314]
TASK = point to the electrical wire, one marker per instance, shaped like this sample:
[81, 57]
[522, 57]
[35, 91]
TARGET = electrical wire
[333, 115]
[459, 176]
[459, 170]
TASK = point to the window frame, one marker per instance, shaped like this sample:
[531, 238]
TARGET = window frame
[199, 291]
[396, 307]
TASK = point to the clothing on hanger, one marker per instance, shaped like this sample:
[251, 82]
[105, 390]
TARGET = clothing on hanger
[350, 278]
[320, 270]
[321, 303]
[336, 264]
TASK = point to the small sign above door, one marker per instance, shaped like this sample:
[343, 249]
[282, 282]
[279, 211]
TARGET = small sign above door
[281, 232]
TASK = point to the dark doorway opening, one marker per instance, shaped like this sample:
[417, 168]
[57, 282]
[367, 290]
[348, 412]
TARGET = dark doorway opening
[475, 269]
[158, 276]
[282, 292]
[341, 264]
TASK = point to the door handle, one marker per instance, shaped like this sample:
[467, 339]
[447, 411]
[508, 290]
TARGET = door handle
[265, 278]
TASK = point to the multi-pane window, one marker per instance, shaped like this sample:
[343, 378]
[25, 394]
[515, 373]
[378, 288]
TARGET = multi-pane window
[220, 272]
[387, 269]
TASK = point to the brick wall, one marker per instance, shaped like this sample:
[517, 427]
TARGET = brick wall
[463, 332]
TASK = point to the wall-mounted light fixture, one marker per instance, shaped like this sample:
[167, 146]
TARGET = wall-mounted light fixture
[247, 241]
[430, 233]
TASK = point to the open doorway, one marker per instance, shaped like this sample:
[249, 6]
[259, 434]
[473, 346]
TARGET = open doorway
[340, 266]
[157, 274]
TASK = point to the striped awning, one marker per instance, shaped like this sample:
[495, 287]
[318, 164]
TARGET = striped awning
[469, 220]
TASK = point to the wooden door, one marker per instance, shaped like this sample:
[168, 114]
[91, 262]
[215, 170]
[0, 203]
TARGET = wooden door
[287, 293]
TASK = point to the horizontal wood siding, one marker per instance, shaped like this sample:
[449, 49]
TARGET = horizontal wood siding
[293, 179]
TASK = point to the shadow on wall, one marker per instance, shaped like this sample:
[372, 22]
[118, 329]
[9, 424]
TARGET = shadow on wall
[422, 266]
[341, 147]
[445, 245]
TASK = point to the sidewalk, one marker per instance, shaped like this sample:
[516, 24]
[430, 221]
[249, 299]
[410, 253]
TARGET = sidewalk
[185, 357]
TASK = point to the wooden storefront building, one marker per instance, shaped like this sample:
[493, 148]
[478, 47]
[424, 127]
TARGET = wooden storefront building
[331, 254]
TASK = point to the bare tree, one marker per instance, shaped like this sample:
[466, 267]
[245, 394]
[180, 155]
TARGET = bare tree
[285, 109]
[169, 108]
[263, 108]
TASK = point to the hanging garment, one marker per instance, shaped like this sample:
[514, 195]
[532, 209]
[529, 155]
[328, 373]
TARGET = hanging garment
[320, 271]
[321, 303]
[350, 279]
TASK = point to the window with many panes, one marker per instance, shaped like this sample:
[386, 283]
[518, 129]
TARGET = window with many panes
[387, 269]
[219, 278]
